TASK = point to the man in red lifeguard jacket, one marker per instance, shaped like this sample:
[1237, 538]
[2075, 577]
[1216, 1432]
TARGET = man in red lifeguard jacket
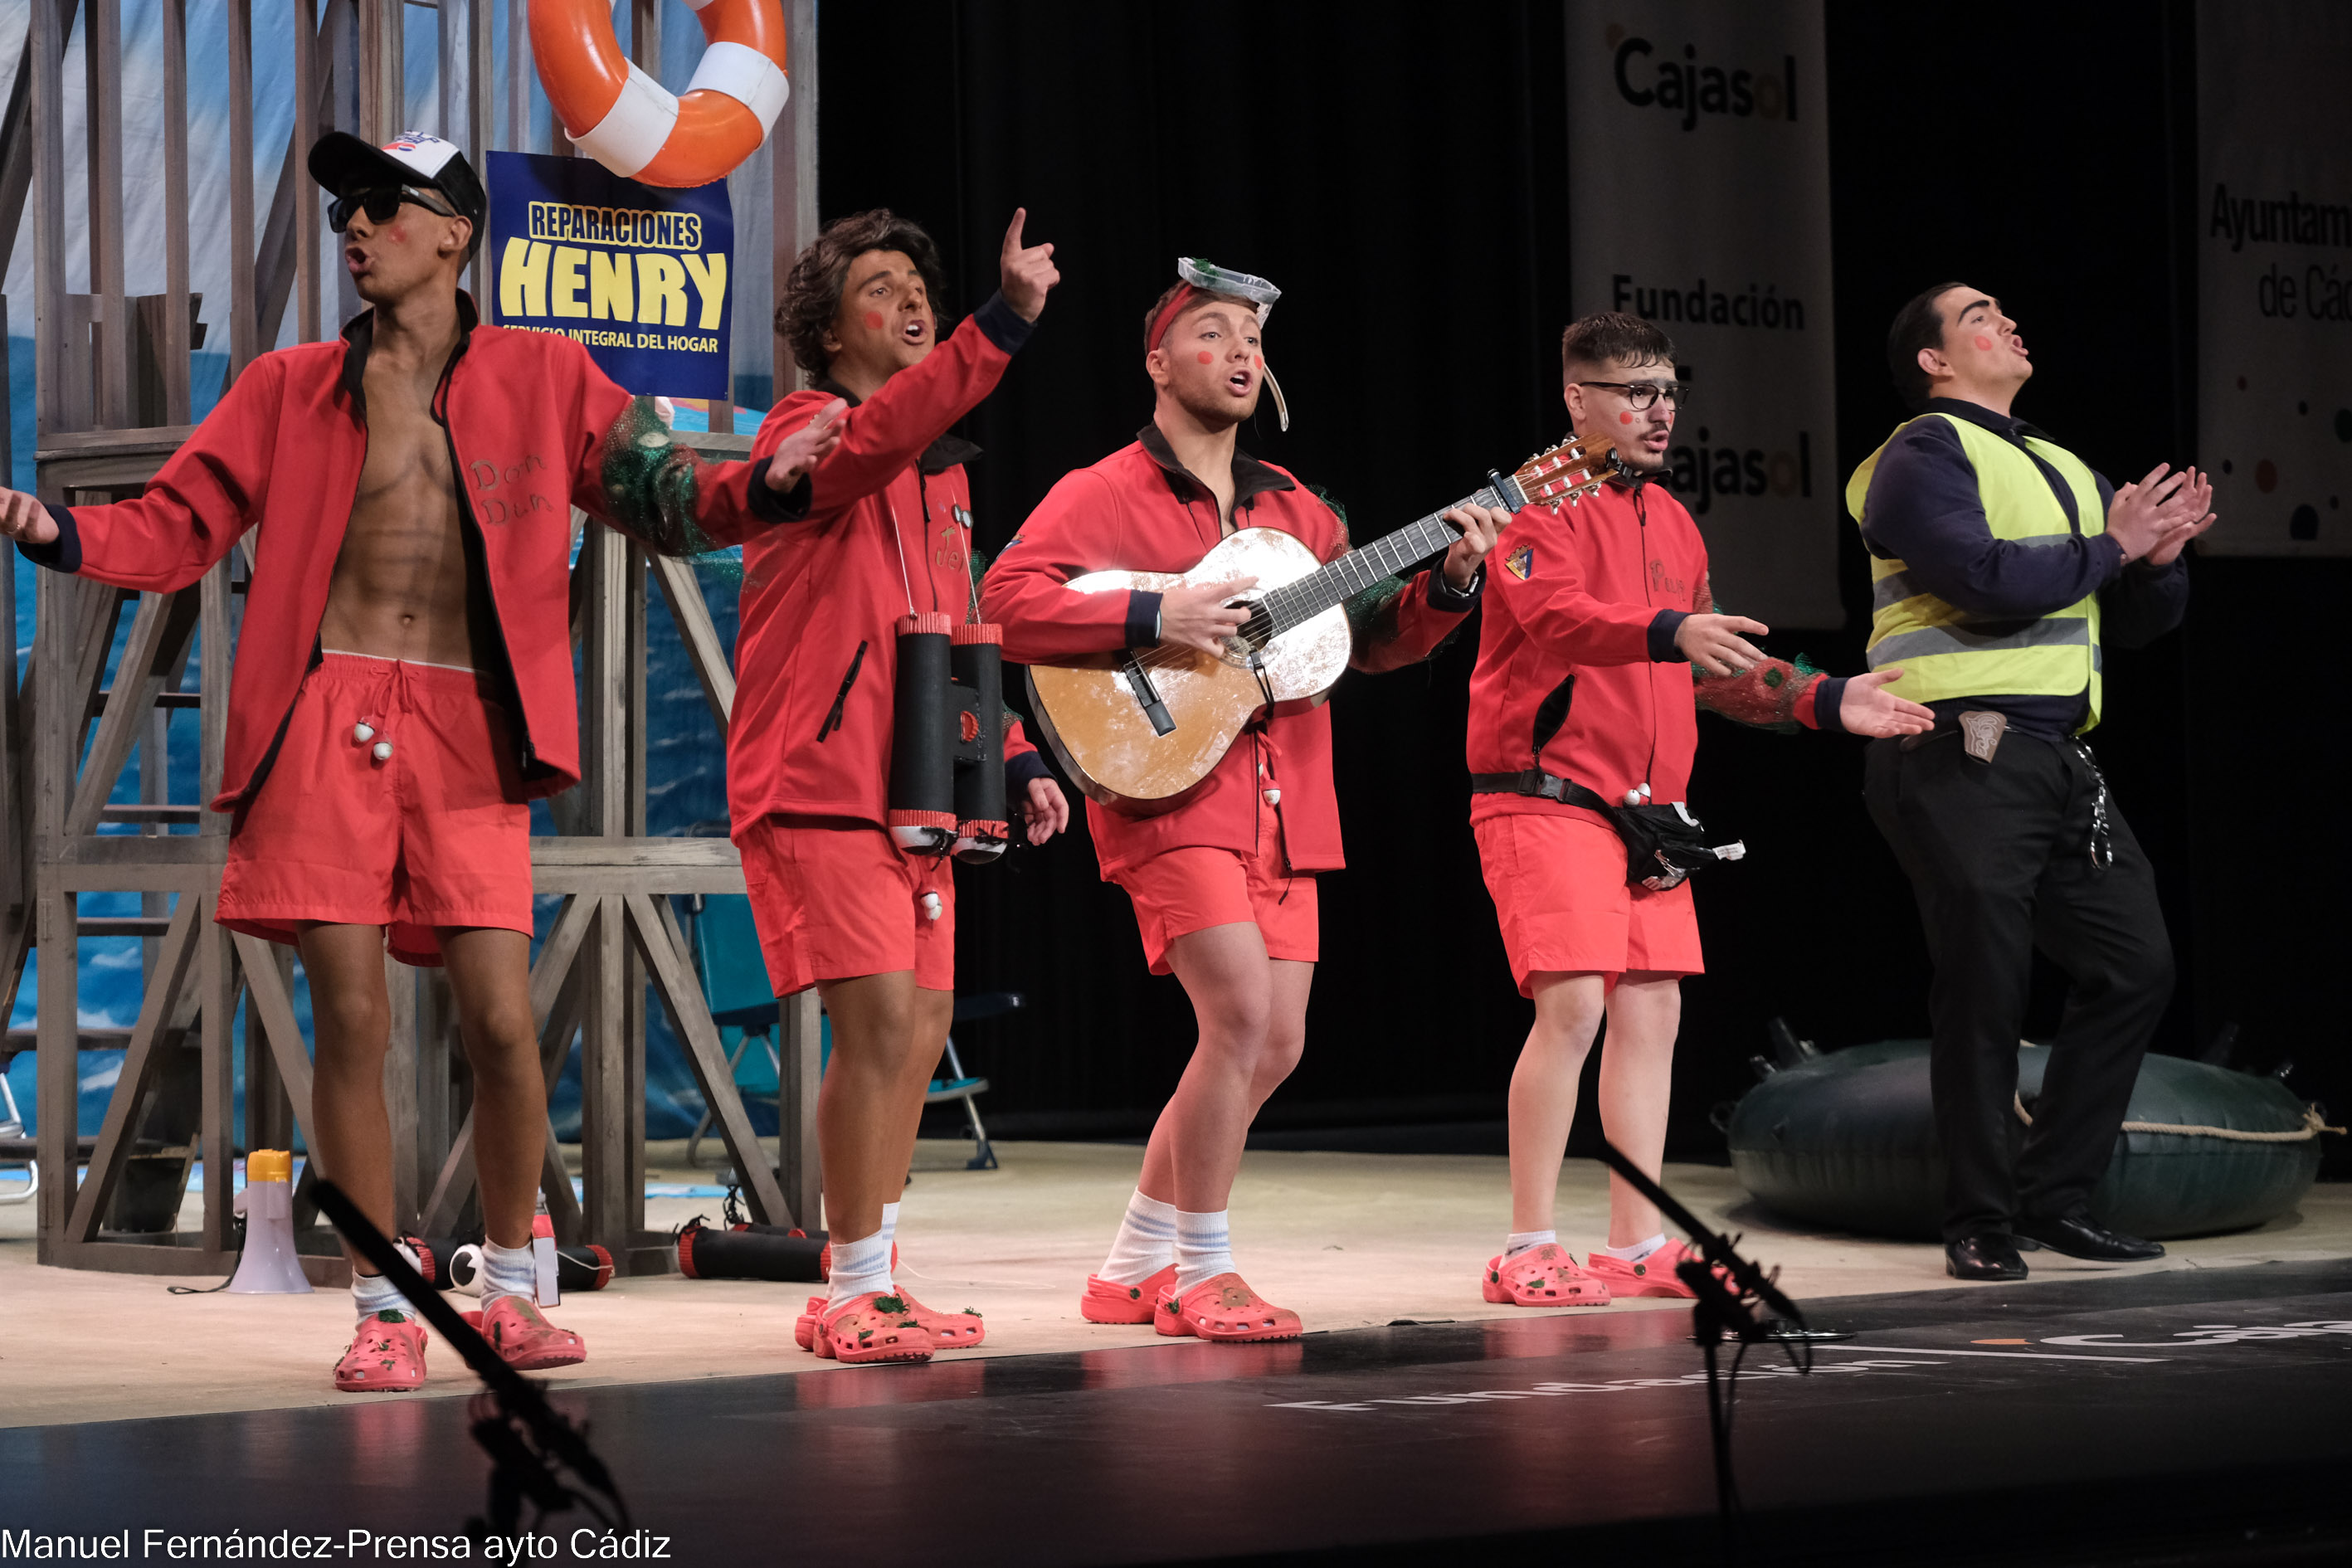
[402, 685]
[883, 533]
[1224, 885]
[1584, 690]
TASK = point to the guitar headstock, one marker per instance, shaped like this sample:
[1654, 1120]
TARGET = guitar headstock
[1566, 472]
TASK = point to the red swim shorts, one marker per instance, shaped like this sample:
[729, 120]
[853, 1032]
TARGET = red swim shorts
[1180, 891]
[435, 834]
[835, 897]
[1559, 885]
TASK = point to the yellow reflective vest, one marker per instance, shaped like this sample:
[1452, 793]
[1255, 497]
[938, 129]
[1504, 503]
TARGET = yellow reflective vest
[1946, 652]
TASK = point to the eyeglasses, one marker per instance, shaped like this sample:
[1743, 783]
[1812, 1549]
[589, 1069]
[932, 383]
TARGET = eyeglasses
[381, 202]
[1643, 393]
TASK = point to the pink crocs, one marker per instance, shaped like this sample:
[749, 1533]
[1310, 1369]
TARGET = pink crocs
[1225, 1308]
[949, 1331]
[1104, 1301]
[1543, 1276]
[387, 1356]
[872, 1327]
[527, 1341]
[1654, 1276]
[959, 1329]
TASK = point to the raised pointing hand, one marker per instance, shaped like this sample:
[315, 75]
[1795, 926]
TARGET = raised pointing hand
[1026, 273]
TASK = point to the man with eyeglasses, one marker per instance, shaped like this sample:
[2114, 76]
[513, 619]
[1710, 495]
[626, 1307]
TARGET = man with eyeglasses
[1600, 641]
[402, 686]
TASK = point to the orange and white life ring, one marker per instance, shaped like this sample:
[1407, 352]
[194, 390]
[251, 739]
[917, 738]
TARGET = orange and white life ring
[634, 126]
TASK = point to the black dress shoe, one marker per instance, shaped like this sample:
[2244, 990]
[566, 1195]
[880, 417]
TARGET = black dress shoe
[2080, 1236]
[1986, 1256]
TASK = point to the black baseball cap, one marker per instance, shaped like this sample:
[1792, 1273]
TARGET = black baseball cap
[341, 161]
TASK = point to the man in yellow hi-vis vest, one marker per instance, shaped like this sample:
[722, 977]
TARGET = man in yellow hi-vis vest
[1999, 562]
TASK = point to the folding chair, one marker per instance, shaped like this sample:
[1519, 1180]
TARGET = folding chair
[735, 984]
[735, 987]
[12, 1130]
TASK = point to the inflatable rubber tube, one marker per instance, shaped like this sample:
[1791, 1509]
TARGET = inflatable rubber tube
[636, 127]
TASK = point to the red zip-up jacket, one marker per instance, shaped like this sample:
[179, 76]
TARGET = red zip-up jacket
[1140, 511]
[1578, 673]
[883, 521]
[534, 429]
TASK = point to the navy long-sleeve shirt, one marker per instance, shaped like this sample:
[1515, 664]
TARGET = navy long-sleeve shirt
[1924, 509]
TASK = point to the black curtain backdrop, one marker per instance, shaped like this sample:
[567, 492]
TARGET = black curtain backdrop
[1400, 171]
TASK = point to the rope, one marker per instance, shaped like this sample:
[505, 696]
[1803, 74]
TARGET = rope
[2312, 1126]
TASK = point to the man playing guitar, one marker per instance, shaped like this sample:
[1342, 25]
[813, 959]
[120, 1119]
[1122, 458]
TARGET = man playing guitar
[1224, 884]
[1585, 679]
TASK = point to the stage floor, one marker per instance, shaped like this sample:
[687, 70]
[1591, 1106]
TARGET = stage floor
[2192, 1416]
[1349, 1241]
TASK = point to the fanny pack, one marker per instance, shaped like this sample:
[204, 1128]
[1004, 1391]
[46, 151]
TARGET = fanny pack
[1664, 843]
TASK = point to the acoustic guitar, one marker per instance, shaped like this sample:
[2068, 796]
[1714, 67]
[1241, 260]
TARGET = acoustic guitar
[1140, 729]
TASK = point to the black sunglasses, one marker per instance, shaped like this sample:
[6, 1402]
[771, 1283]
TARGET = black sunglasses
[1642, 394]
[381, 202]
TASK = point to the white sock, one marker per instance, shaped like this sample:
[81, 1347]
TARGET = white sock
[1518, 1241]
[373, 1293]
[509, 1271]
[1146, 1242]
[1639, 1250]
[889, 1231]
[1204, 1248]
[860, 1265]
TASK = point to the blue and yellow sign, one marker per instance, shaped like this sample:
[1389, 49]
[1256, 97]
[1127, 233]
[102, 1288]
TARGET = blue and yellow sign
[638, 274]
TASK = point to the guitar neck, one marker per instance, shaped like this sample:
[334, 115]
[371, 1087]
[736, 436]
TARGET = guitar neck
[1294, 603]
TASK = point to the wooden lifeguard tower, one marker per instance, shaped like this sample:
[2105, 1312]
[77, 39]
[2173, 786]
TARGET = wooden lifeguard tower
[113, 396]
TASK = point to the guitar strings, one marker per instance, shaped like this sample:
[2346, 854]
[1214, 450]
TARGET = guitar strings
[1276, 603]
[1270, 608]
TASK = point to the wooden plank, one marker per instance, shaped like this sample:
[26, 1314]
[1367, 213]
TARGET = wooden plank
[438, 1046]
[400, 1087]
[382, 53]
[309, 93]
[800, 1051]
[717, 445]
[219, 986]
[16, 816]
[290, 234]
[52, 20]
[268, 1118]
[794, 169]
[119, 863]
[159, 440]
[159, 639]
[275, 1001]
[211, 678]
[632, 854]
[518, 78]
[245, 342]
[616, 879]
[657, 938]
[176, 345]
[682, 592]
[57, 1071]
[144, 1257]
[17, 149]
[117, 397]
[604, 1117]
[116, 1134]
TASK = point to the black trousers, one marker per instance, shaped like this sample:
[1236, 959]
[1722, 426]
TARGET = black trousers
[1998, 856]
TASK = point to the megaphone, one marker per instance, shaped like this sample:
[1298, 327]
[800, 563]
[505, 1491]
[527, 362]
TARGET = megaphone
[268, 1266]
